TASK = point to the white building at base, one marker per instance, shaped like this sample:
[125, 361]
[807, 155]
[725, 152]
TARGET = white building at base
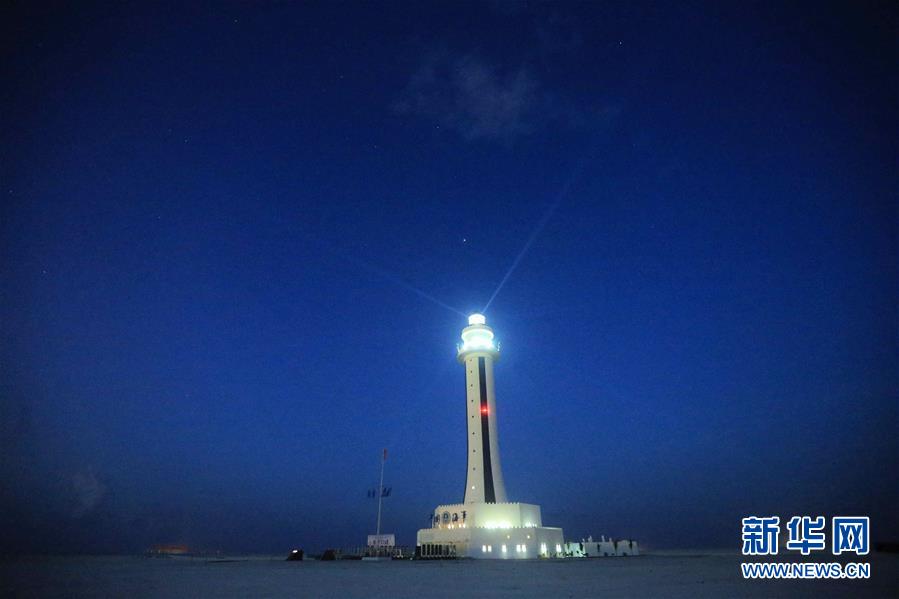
[485, 525]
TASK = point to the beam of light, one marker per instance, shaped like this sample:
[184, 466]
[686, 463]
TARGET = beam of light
[386, 274]
[537, 230]
[395, 279]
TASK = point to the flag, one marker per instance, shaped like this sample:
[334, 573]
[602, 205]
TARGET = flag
[385, 454]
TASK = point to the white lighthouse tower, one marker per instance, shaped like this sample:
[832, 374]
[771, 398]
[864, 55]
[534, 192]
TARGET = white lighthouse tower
[478, 352]
[485, 524]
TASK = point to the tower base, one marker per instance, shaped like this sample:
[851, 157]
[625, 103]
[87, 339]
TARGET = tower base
[489, 531]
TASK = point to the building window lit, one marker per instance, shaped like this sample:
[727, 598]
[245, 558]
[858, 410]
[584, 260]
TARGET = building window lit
[483, 548]
[504, 548]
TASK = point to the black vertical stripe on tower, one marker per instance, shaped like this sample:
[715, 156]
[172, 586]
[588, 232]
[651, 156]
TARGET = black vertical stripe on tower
[489, 493]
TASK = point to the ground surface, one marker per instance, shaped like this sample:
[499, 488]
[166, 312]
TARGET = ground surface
[669, 575]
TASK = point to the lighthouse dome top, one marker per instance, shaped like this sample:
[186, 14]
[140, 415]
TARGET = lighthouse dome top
[477, 337]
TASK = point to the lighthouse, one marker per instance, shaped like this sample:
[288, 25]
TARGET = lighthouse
[478, 352]
[486, 525]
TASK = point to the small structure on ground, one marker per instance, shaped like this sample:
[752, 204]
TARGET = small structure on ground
[601, 548]
[295, 556]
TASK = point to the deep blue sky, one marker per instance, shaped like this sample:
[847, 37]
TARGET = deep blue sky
[211, 217]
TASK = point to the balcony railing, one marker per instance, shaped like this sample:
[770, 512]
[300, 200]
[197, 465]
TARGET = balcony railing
[460, 347]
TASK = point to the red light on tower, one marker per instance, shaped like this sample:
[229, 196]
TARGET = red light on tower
[483, 409]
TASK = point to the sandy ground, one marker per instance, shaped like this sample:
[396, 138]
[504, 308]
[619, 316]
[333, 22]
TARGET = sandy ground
[659, 575]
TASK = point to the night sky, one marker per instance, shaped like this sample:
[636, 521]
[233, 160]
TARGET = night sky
[239, 242]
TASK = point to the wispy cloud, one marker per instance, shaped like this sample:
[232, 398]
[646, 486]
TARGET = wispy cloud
[482, 101]
[88, 491]
[472, 97]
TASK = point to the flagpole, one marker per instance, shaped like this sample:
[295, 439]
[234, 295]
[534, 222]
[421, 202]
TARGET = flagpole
[380, 497]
